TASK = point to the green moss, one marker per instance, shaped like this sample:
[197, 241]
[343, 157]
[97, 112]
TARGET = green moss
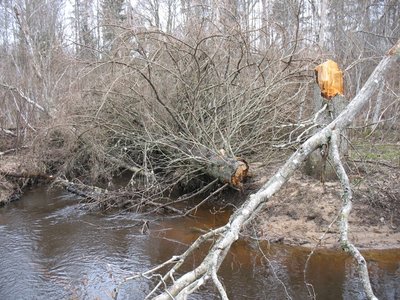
[388, 152]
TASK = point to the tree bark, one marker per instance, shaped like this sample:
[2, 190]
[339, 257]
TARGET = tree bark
[328, 92]
[218, 165]
[229, 233]
[317, 164]
[377, 111]
[344, 215]
[230, 170]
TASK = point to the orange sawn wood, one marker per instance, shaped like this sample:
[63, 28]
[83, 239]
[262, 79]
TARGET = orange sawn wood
[330, 79]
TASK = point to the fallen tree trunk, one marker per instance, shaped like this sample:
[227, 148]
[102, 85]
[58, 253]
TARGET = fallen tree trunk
[216, 164]
[25, 175]
[91, 193]
[117, 198]
[226, 235]
[229, 170]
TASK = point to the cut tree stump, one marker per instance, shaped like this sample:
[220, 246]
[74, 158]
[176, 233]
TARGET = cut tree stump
[227, 169]
[328, 91]
[216, 164]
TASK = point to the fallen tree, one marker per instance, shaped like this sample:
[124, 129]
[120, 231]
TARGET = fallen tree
[225, 236]
[132, 199]
[216, 164]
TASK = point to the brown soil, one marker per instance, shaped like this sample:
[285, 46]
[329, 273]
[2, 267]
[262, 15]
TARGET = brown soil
[7, 187]
[16, 172]
[305, 211]
[6, 190]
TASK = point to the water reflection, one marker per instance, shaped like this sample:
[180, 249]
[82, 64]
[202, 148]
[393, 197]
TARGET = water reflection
[52, 248]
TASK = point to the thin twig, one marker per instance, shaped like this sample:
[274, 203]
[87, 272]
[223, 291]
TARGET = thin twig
[206, 199]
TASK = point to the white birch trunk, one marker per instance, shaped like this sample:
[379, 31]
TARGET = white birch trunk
[378, 105]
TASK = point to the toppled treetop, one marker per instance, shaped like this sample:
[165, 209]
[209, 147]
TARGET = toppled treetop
[329, 79]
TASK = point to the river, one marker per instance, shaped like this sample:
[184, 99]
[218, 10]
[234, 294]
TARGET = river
[51, 247]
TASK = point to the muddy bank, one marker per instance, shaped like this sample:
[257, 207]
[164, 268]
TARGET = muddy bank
[7, 191]
[305, 211]
[9, 188]
[18, 172]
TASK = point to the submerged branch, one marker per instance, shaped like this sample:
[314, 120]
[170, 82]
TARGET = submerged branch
[206, 199]
[179, 260]
[118, 198]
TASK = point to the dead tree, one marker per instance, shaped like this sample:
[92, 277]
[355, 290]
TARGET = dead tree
[225, 236]
[216, 164]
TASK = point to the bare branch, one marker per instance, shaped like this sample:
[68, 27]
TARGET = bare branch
[23, 96]
[344, 216]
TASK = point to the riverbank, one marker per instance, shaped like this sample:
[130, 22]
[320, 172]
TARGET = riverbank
[9, 189]
[305, 211]
[17, 171]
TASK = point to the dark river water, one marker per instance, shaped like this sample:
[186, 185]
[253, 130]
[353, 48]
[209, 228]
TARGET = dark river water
[52, 248]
